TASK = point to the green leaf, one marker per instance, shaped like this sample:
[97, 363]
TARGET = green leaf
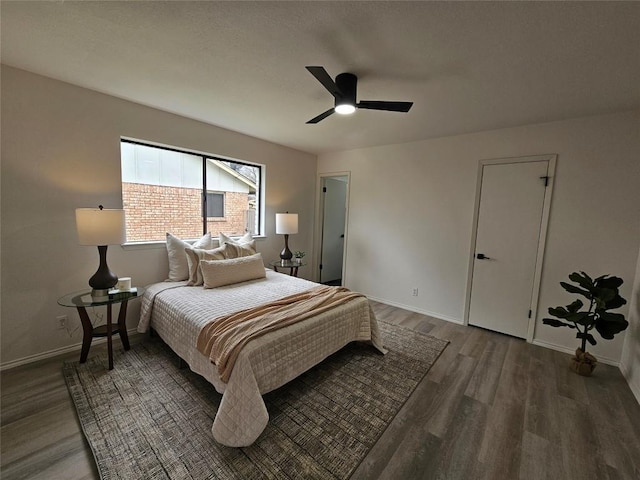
[586, 276]
[556, 323]
[601, 305]
[615, 302]
[573, 289]
[609, 324]
[559, 312]
[581, 318]
[581, 279]
[604, 294]
[597, 279]
[612, 283]
[575, 306]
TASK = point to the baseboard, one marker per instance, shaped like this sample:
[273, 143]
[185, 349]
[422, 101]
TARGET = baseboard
[552, 346]
[572, 351]
[635, 387]
[417, 310]
[55, 352]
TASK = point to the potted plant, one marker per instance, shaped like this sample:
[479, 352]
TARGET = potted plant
[298, 255]
[603, 295]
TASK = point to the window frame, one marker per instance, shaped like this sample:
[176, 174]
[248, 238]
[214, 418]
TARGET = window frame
[260, 186]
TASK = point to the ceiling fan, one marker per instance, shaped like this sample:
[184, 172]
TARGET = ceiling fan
[344, 92]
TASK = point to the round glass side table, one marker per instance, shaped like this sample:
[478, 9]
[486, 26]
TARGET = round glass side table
[82, 300]
[292, 265]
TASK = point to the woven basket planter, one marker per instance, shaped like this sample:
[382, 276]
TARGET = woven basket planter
[583, 363]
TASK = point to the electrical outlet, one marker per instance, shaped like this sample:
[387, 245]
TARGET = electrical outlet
[415, 292]
[61, 322]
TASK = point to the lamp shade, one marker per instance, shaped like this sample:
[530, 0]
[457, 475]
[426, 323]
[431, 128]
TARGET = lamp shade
[100, 226]
[286, 223]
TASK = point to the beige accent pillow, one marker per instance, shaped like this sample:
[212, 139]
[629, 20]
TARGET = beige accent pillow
[233, 250]
[217, 273]
[178, 266]
[194, 256]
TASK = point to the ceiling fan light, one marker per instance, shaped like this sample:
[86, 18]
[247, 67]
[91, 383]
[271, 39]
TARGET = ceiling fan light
[345, 109]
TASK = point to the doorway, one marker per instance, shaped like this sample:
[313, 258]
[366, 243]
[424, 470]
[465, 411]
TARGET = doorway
[333, 223]
[512, 208]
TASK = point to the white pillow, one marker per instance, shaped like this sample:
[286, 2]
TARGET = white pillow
[217, 273]
[178, 266]
[244, 246]
[194, 256]
[245, 239]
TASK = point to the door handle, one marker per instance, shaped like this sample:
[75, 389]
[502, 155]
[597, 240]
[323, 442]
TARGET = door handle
[482, 256]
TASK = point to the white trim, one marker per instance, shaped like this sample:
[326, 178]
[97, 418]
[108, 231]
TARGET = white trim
[56, 352]
[150, 245]
[635, 387]
[546, 209]
[560, 348]
[439, 316]
[542, 240]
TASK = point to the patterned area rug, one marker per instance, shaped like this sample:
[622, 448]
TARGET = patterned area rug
[149, 419]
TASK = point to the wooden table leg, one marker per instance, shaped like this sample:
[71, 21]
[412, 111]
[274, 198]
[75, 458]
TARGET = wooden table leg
[109, 341]
[87, 333]
[122, 325]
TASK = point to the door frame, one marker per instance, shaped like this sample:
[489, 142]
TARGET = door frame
[320, 222]
[546, 208]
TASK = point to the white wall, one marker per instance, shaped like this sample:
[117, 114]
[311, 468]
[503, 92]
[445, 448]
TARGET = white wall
[631, 351]
[60, 151]
[411, 212]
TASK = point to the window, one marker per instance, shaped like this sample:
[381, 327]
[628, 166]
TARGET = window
[166, 189]
[215, 205]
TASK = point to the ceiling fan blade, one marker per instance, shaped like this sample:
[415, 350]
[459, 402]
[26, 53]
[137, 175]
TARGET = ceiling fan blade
[388, 106]
[323, 77]
[322, 116]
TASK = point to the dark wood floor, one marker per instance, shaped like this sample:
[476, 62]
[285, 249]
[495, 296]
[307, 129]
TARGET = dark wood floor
[492, 407]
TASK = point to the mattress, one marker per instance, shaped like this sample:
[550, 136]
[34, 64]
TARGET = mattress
[177, 313]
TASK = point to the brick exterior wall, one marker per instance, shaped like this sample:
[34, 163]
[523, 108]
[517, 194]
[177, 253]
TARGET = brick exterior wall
[233, 223]
[153, 210]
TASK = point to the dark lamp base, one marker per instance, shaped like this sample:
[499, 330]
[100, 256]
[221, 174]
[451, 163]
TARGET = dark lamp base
[286, 254]
[103, 279]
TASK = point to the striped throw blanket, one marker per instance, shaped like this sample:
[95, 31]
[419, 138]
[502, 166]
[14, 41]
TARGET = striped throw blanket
[223, 338]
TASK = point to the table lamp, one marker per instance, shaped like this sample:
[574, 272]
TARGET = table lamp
[101, 227]
[286, 224]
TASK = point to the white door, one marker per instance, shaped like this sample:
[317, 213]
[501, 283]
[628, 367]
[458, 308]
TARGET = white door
[507, 238]
[333, 224]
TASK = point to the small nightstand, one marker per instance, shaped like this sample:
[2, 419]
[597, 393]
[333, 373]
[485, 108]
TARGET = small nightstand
[82, 300]
[292, 265]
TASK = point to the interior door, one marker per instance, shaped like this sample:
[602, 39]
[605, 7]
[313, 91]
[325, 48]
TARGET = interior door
[334, 192]
[508, 231]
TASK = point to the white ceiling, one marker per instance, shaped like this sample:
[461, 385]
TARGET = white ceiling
[467, 66]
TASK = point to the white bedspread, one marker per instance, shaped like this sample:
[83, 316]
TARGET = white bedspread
[177, 313]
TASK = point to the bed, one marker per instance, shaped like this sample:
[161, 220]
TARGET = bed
[178, 312]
